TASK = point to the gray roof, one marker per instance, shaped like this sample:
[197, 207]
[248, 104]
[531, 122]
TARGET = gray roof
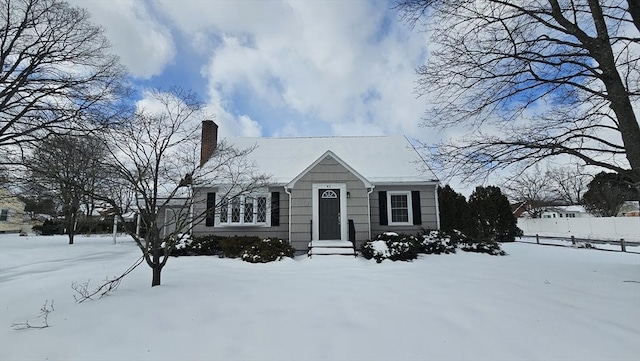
[379, 159]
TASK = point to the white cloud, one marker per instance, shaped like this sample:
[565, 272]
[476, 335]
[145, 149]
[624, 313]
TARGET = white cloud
[319, 60]
[338, 67]
[144, 45]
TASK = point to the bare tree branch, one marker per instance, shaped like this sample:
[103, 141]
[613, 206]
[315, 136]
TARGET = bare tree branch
[82, 289]
[56, 75]
[532, 80]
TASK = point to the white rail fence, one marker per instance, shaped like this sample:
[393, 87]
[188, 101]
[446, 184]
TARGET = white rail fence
[597, 228]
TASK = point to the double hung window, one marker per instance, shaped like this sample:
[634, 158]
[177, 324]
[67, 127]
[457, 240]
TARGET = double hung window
[399, 208]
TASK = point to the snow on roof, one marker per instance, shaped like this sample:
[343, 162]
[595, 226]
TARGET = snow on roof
[573, 208]
[379, 159]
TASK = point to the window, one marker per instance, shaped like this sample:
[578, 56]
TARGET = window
[399, 208]
[244, 210]
[4, 215]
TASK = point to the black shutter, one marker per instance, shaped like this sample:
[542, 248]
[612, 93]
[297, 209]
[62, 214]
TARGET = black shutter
[382, 202]
[275, 209]
[415, 208]
[211, 210]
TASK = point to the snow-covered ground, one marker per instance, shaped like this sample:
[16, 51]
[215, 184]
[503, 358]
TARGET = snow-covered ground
[537, 303]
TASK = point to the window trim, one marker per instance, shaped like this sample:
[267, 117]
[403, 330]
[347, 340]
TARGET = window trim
[409, 208]
[242, 202]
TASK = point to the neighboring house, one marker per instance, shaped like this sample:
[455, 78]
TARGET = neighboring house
[630, 209]
[329, 190]
[11, 212]
[575, 211]
[519, 210]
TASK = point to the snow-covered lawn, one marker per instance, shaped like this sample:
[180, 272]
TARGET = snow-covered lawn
[537, 303]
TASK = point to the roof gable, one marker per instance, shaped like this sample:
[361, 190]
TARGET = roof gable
[323, 157]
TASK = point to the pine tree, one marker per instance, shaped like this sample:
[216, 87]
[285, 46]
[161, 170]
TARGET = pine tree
[607, 193]
[492, 216]
[454, 211]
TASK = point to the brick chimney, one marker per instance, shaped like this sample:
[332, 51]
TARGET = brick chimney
[209, 140]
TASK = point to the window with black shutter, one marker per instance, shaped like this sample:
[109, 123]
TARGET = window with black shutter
[211, 210]
[275, 209]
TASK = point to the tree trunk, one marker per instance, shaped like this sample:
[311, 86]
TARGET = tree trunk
[156, 275]
[601, 50]
[71, 227]
[157, 266]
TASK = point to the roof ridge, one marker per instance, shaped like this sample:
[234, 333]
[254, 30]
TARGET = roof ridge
[326, 136]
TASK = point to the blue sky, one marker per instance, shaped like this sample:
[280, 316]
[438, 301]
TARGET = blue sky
[276, 68]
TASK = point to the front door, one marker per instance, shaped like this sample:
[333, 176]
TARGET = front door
[329, 214]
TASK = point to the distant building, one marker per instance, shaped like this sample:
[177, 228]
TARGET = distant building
[574, 211]
[11, 212]
[630, 209]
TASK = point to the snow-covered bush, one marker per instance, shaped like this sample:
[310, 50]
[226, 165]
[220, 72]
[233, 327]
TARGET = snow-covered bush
[249, 248]
[234, 247]
[489, 247]
[268, 250]
[196, 246]
[437, 242]
[391, 246]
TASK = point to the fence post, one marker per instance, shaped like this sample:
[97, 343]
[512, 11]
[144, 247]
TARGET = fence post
[624, 246]
[573, 240]
[537, 239]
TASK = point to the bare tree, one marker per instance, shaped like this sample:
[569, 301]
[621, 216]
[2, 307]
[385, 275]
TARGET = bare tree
[157, 156]
[532, 80]
[569, 183]
[56, 75]
[533, 189]
[68, 167]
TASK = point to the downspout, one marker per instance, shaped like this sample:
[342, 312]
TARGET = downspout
[288, 191]
[138, 221]
[437, 207]
[191, 202]
[369, 208]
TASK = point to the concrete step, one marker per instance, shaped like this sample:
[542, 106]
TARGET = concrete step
[337, 243]
[329, 251]
[324, 248]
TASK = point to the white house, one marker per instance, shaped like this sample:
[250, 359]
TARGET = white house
[574, 211]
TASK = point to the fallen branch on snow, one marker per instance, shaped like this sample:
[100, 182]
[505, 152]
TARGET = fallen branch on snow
[82, 289]
[45, 310]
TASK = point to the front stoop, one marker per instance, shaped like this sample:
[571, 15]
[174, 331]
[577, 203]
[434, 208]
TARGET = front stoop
[324, 248]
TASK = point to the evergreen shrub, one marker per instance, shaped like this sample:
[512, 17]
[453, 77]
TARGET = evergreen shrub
[248, 248]
[268, 250]
[392, 246]
[490, 247]
[197, 246]
[437, 242]
[234, 247]
[49, 227]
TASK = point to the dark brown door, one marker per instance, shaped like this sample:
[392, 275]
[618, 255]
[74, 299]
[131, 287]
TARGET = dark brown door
[329, 213]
